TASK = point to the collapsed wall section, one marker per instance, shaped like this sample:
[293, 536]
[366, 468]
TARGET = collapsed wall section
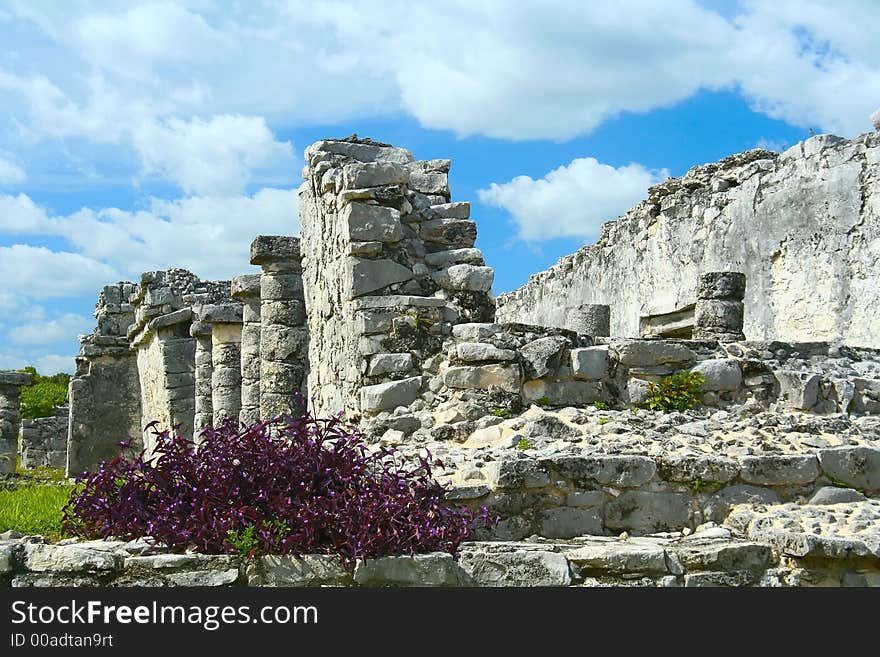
[803, 226]
[104, 395]
[389, 266]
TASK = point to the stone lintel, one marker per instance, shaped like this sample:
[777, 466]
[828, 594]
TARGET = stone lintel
[269, 249]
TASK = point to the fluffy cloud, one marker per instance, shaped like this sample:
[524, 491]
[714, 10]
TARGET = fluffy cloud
[210, 157]
[572, 200]
[53, 364]
[47, 332]
[41, 273]
[10, 173]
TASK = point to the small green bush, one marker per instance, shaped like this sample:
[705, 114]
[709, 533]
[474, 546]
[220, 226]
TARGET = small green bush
[676, 392]
[503, 412]
[601, 406]
[40, 398]
[543, 401]
[523, 444]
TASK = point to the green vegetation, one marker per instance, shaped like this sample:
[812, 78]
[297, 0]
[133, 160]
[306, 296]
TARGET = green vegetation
[676, 392]
[40, 398]
[543, 401]
[34, 509]
[523, 444]
[698, 485]
[502, 412]
[604, 420]
[601, 406]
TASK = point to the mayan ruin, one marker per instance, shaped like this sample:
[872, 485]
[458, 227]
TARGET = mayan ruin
[381, 310]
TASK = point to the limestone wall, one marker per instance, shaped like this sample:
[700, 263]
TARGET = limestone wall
[386, 256]
[104, 394]
[44, 440]
[803, 226]
[10, 417]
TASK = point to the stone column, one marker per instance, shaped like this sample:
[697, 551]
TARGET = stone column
[718, 314]
[10, 416]
[204, 409]
[593, 319]
[283, 341]
[246, 288]
[225, 321]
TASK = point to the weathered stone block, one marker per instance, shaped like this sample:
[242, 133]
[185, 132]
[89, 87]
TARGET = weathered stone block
[835, 495]
[647, 512]
[798, 390]
[780, 470]
[465, 277]
[388, 396]
[390, 363]
[307, 570]
[371, 275]
[712, 554]
[719, 374]
[543, 355]
[692, 467]
[368, 222]
[858, 467]
[454, 257]
[722, 285]
[483, 377]
[590, 363]
[649, 353]
[358, 175]
[619, 557]
[563, 393]
[269, 249]
[430, 183]
[568, 522]
[39, 557]
[281, 286]
[431, 569]
[453, 233]
[510, 472]
[516, 568]
[481, 351]
[628, 471]
[475, 332]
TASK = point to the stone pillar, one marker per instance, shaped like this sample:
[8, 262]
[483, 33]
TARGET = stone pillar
[283, 335]
[204, 409]
[718, 314]
[225, 321]
[593, 319]
[44, 440]
[10, 416]
[246, 288]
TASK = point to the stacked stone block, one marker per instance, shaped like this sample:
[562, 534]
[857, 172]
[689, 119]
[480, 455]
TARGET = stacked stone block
[104, 393]
[718, 314]
[204, 369]
[225, 321]
[10, 417]
[593, 319]
[246, 288]
[44, 440]
[390, 266]
[283, 346]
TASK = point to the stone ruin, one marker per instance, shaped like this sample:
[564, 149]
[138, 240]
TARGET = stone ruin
[383, 311]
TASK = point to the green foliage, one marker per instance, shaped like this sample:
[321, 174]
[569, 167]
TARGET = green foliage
[543, 401]
[244, 541]
[523, 444]
[698, 485]
[34, 509]
[604, 420]
[40, 398]
[601, 406]
[502, 412]
[676, 392]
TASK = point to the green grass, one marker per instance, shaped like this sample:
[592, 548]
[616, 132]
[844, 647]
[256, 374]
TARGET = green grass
[34, 509]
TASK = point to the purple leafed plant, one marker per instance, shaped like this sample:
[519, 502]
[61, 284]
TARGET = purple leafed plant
[292, 485]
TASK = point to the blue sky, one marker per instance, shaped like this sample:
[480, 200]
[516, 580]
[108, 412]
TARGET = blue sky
[142, 135]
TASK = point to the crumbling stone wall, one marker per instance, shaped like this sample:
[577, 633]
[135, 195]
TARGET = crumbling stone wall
[104, 393]
[44, 440]
[803, 226]
[389, 266]
[10, 417]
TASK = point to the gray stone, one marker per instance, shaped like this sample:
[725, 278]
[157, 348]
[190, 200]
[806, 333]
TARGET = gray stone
[68, 558]
[858, 467]
[647, 512]
[466, 277]
[722, 285]
[835, 495]
[432, 569]
[798, 390]
[568, 522]
[650, 353]
[270, 249]
[16, 378]
[390, 395]
[6, 559]
[619, 557]
[590, 363]
[372, 275]
[627, 471]
[483, 377]
[453, 233]
[724, 555]
[516, 568]
[779, 470]
[475, 332]
[543, 355]
[875, 119]
[718, 506]
[715, 579]
[564, 393]
[371, 222]
[691, 468]
[586, 498]
[592, 319]
[454, 257]
[390, 363]
[307, 570]
[358, 175]
[480, 351]
[719, 373]
[511, 472]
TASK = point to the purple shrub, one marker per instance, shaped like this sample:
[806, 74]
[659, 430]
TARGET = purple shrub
[290, 485]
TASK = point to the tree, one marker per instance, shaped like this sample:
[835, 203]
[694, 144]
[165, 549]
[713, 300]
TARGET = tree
[40, 398]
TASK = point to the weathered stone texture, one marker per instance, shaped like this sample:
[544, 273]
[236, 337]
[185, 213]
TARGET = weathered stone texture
[803, 226]
[10, 417]
[44, 440]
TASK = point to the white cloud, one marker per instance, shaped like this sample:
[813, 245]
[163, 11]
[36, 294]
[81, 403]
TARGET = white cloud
[40, 273]
[210, 157]
[47, 332]
[572, 200]
[12, 362]
[10, 173]
[53, 364]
